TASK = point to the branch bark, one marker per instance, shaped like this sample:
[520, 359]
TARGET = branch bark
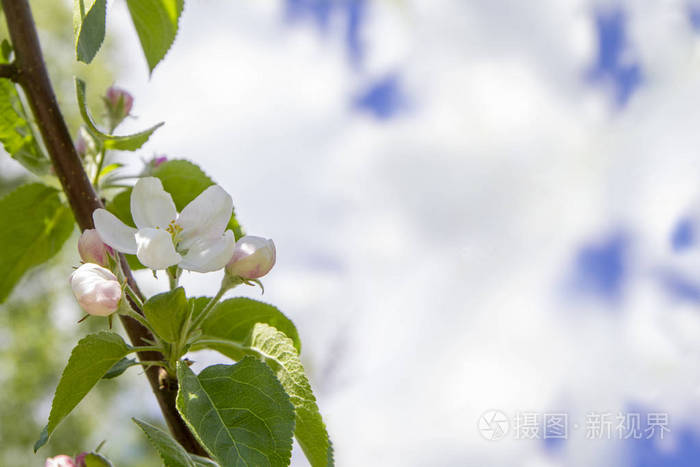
[30, 72]
[8, 70]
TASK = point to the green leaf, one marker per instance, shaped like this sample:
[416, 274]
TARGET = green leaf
[90, 360]
[197, 305]
[6, 50]
[120, 367]
[172, 454]
[109, 169]
[278, 351]
[131, 142]
[184, 180]
[235, 318]
[166, 312]
[35, 224]
[43, 438]
[239, 413]
[88, 28]
[156, 23]
[95, 460]
[120, 206]
[16, 133]
[121, 143]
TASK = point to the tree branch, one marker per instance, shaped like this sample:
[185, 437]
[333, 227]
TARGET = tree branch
[30, 72]
[8, 70]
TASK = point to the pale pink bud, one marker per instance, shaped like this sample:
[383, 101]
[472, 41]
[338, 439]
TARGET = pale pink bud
[253, 257]
[92, 249]
[81, 145]
[84, 144]
[59, 461]
[119, 101]
[97, 290]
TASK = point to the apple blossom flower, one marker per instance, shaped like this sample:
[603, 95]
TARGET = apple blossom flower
[253, 257]
[97, 289]
[196, 239]
[92, 249]
[59, 461]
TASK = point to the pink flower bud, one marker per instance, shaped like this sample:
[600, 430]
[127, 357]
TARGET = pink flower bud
[159, 160]
[59, 461]
[119, 100]
[118, 103]
[80, 459]
[92, 249]
[253, 257]
[97, 290]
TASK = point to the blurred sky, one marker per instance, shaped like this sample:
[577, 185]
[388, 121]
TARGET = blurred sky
[476, 205]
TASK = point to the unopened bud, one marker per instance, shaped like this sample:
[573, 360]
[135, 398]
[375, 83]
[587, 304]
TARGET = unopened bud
[92, 249]
[253, 257]
[153, 164]
[59, 461]
[159, 160]
[97, 290]
[81, 146]
[119, 103]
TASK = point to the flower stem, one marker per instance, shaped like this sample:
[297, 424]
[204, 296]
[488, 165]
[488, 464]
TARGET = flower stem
[227, 283]
[207, 309]
[133, 295]
[208, 340]
[148, 363]
[173, 276]
[132, 314]
[100, 161]
[146, 348]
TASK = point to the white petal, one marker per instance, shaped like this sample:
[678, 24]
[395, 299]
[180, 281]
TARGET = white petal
[208, 255]
[156, 249]
[206, 216]
[114, 232]
[151, 205]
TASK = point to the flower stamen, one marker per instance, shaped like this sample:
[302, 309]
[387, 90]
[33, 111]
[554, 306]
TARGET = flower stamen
[174, 229]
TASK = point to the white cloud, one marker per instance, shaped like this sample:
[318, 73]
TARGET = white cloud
[422, 258]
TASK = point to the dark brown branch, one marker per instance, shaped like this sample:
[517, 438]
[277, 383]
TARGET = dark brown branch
[30, 73]
[8, 70]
